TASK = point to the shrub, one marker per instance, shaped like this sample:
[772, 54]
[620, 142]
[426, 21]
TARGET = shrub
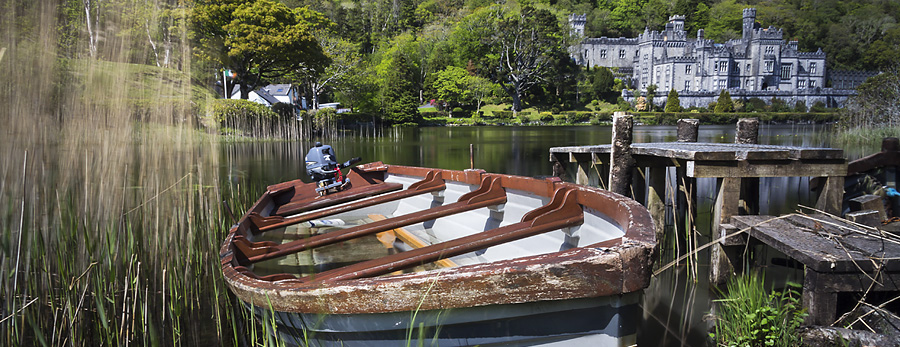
[818, 106]
[800, 106]
[284, 110]
[503, 114]
[754, 105]
[236, 111]
[546, 117]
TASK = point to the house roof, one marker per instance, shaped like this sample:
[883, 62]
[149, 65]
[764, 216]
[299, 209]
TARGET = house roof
[266, 96]
[278, 89]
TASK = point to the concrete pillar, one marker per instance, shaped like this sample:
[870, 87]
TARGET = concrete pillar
[620, 160]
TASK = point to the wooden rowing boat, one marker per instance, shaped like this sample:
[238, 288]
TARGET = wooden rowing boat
[453, 257]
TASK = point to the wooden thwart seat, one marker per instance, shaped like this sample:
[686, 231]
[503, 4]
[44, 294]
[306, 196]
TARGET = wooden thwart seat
[563, 211]
[431, 183]
[408, 238]
[490, 193]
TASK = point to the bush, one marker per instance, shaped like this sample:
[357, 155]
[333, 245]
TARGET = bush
[546, 117]
[818, 107]
[284, 110]
[503, 114]
[236, 111]
[754, 105]
[800, 106]
[576, 116]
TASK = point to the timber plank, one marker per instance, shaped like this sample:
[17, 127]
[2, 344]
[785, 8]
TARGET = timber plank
[822, 246]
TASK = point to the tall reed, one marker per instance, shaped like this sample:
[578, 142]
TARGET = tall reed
[111, 218]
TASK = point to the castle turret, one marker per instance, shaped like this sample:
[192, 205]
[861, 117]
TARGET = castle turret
[749, 22]
[577, 22]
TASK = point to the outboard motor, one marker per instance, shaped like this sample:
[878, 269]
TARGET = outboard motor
[322, 166]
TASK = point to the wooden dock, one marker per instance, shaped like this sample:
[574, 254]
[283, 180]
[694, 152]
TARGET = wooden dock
[838, 257]
[735, 166]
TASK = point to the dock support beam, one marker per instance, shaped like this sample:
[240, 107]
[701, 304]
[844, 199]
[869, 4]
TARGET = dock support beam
[620, 160]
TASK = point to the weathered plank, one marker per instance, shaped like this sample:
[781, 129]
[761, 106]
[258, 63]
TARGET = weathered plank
[786, 168]
[715, 151]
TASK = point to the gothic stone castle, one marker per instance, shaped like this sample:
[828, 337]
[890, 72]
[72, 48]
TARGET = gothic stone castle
[760, 64]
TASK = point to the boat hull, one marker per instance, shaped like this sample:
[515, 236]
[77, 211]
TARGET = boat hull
[603, 321]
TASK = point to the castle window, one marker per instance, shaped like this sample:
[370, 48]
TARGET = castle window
[770, 50]
[748, 68]
[687, 85]
[723, 66]
[602, 54]
[721, 84]
[785, 71]
[621, 54]
[801, 84]
[770, 65]
[812, 68]
[812, 83]
[687, 69]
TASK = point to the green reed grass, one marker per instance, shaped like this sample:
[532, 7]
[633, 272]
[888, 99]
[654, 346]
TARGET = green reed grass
[749, 315]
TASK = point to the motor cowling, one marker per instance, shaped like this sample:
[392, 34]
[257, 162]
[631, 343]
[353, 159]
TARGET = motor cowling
[321, 162]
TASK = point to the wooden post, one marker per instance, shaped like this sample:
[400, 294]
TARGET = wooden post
[747, 132]
[688, 130]
[620, 159]
[832, 195]
[656, 199]
[720, 266]
[820, 303]
[639, 185]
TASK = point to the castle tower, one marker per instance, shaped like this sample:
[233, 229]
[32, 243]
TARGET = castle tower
[577, 23]
[749, 22]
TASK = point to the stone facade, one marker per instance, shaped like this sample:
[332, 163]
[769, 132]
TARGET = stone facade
[761, 63]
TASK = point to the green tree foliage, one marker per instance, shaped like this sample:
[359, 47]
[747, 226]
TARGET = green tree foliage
[878, 102]
[672, 102]
[724, 103]
[601, 84]
[451, 85]
[343, 55]
[725, 21]
[258, 40]
[651, 94]
[514, 48]
[398, 96]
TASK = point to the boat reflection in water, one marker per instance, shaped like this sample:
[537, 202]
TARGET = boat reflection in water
[447, 257]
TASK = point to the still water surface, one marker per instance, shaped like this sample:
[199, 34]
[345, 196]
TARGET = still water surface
[675, 305]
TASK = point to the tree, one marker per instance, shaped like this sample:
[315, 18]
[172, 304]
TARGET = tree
[451, 85]
[258, 40]
[398, 96]
[651, 93]
[515, 48]
[672, 102]
[878, 101]
[601, 83]
[344, 56]
[724, 103]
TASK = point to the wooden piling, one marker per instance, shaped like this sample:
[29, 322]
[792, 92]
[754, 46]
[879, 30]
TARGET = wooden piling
[688, 130]
[620, 160]
[747, 131]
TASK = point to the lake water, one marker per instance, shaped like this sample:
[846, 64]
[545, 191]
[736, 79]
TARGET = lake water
[675, 305]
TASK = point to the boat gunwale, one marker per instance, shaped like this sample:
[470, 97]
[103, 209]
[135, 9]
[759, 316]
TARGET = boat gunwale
[610, 267]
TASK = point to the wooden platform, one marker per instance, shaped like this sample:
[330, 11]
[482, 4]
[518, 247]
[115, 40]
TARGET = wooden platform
[838, 257]
[736, 167]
